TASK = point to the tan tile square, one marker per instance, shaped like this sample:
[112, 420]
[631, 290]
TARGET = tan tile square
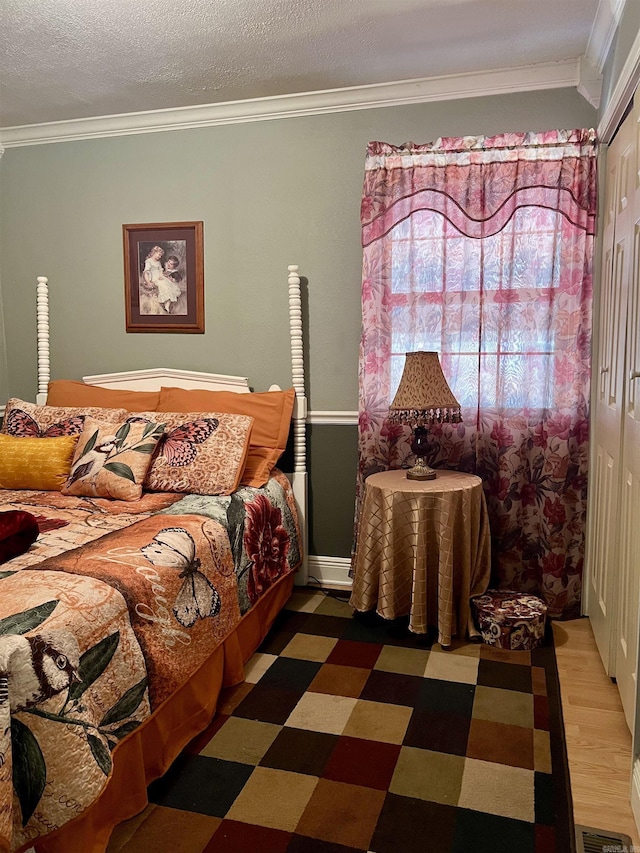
[321, 712]
[274, 798]
[542, 751]
[194, 831]
[304, 602]
[342, 814]
[378, 721]
[503, 706]
[245, 741]
[445, 667]
[403, 661]
[340, 680]
[309, 647]
[498, 789]
[427, 775]
[332, 606]
[256, 667]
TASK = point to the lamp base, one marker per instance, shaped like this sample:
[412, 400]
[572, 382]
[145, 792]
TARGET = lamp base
[421, 471]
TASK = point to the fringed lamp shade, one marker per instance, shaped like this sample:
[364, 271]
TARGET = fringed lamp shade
[423, 397]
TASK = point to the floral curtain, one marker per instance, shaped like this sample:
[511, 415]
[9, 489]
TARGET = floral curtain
[481, 249]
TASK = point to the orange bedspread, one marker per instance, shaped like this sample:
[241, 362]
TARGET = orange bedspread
[97, 639]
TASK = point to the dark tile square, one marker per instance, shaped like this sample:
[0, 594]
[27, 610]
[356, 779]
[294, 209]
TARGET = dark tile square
[275, 642]
[407, 825]
[324, 626]
[438, 732]
[541, 712]
[268, 704]
[300, 751]
[486, 833]
[446, 697]
[199, 784]
[290, 674]
[351, 653]
[235, 837]
[367, 763]
[544, 798]
[506, 676]
[305, 844]
[371, 628]
[392, 687]
[547, 841]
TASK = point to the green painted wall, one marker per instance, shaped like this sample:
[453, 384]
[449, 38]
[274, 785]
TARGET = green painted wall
[270, 193]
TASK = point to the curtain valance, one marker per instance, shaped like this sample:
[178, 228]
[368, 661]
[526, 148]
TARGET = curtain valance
[478, 183]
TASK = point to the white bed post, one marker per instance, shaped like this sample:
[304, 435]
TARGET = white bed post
[44, 362]
[299, 475]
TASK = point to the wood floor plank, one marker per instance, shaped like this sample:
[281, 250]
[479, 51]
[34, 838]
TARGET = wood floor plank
[598, 739]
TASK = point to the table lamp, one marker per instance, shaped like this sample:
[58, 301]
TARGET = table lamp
[423, 398]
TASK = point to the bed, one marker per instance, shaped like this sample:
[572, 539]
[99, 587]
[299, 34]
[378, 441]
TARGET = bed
[167, 541]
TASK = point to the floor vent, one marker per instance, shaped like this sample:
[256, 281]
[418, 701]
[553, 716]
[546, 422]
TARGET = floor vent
[590, 840]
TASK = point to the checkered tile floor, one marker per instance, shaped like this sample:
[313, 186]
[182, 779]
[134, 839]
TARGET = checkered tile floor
[345, 738]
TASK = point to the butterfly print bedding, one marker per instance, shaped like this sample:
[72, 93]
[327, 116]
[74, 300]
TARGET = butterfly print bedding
[200, 452]
[197, 597]
[22, 425]
[123, 621]
[26, 420]
[179, 447]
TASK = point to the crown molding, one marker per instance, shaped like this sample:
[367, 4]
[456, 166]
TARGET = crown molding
[589, 81]
[604, 27]
[547, 75]
[622, 94]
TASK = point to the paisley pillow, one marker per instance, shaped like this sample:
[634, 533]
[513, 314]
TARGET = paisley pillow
[111, 460]
[26, 420]
[200, 452]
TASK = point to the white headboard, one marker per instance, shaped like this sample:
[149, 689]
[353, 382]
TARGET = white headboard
[152, 379]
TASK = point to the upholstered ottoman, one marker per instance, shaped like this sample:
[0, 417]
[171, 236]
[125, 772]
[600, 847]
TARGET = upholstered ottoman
[509, 619]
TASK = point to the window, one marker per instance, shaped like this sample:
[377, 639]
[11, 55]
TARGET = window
[484, 305]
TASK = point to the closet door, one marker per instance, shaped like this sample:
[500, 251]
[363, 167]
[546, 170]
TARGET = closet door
[608, 375]
[626, 633]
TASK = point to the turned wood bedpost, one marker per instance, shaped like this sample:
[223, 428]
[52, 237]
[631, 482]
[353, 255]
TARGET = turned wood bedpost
[299, 475]
[42, 328]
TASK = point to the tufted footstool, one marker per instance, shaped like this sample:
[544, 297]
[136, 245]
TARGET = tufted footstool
[509, 619]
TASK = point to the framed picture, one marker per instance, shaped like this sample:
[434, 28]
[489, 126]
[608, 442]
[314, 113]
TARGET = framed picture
[164, 277]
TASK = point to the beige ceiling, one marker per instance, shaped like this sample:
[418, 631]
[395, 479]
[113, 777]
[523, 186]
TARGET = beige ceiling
[71, 59]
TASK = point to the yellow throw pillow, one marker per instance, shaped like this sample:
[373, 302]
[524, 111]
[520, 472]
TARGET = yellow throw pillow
[35, 463]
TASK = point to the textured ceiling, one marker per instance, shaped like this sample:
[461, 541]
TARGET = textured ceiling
[68, 59]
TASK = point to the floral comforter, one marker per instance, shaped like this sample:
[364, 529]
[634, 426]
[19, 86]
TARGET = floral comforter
[93, 639]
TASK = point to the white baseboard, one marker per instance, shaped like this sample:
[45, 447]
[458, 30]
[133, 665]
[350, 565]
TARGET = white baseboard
[329, 571]
[635, 792]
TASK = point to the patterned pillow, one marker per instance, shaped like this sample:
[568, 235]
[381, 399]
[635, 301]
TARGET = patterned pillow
[25, 420]
[200, 452]
[111, 460]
